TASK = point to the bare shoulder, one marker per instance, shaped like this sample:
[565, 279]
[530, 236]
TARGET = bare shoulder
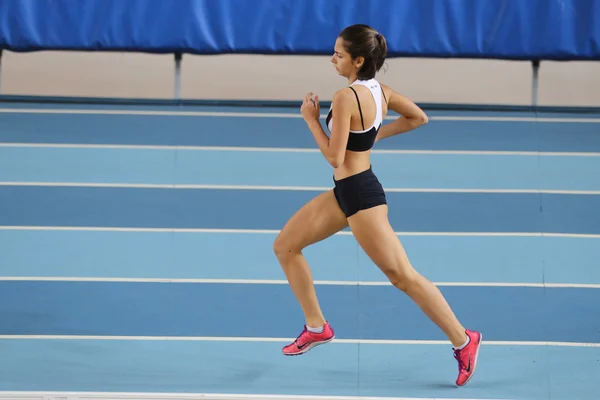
[388, 91]
[342, 99]
[401, 103]
[343, 94]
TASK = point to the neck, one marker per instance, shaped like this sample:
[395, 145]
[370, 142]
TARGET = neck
[352, 78]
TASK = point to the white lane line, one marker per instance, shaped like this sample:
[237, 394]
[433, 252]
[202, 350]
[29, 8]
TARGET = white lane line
[284, 282]
[291, 188]
[28, 395]
[276, 231]
[297, 150]
[294, 115]
[285, 340]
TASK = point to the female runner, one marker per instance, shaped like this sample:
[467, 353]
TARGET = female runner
[358, 199]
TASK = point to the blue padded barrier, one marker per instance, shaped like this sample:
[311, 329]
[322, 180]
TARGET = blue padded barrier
[496, 29]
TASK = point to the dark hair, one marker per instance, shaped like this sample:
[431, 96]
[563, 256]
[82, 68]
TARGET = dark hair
[363, 41]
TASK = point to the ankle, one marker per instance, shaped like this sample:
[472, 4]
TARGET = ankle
[315, 322]
[460, 340]
[315, 329]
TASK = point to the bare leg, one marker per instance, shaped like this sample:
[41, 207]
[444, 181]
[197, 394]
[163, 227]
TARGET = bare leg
[316, 220]
[372, 230]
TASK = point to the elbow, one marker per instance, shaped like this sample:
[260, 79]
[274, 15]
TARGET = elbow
[335, 161]
[420, 120]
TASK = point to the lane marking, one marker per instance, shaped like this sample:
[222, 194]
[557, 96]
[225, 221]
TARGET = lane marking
[291, 188]
[513, 119]
[287, 340]
[295, 115]
[276, 231]
[298, 150]
[12, 395]
[284, 282]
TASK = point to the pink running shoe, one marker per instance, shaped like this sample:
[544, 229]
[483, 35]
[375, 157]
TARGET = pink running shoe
[467, 358]
[307, 340]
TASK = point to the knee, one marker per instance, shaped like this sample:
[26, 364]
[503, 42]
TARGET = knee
[404, 279]
[284, 248]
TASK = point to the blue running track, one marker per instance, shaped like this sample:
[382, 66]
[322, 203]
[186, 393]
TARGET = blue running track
[136, 255]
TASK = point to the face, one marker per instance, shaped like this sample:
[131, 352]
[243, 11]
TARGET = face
[342, 61]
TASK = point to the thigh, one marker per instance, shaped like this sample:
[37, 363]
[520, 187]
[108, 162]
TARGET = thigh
[377, 238]
[318, 219]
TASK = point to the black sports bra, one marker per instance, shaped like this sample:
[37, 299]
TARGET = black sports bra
[363, 140]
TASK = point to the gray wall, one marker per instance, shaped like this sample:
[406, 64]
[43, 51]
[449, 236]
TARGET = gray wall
[290, 77]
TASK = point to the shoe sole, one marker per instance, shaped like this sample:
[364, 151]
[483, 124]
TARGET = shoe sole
[474, 361]
[309, 347]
